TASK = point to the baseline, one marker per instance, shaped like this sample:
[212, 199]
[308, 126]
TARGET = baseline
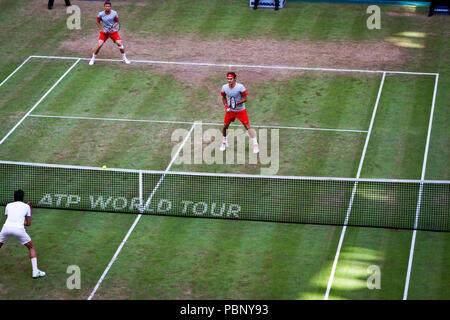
[227, 65]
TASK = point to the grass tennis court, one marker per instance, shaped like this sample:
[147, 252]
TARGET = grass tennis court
[125, 117]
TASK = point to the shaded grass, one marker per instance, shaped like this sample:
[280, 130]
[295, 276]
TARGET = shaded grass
[211, 259]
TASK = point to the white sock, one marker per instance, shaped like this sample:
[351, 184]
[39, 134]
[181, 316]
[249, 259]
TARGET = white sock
[224, 139]
[34, 265]
[124, 56]
[254, 140]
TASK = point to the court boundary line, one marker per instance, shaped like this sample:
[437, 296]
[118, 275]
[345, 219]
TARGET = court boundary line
[344, 228]
[207, 64]
[192, 122]
[116, 254]
[15, 70]
[39, 101]
[422, 178]
[78, 59]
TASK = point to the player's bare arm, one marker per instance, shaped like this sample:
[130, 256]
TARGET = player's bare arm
[100, 26]
[225, 103]
[27, 222]
[114, 26]
[244, 99]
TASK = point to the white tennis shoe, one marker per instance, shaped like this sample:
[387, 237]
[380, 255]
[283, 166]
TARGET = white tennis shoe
[224, 146]
[39, 274]
[255, 148]
[126, 61]
[91, 63]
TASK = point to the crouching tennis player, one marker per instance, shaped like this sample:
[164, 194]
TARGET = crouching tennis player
[18, 216]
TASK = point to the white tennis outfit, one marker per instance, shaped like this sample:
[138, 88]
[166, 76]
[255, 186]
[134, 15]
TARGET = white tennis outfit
[14, 224]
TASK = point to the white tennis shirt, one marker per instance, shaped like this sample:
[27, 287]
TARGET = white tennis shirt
[16, 212]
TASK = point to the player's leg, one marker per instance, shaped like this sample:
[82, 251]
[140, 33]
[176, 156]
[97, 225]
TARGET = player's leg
[100, 43]
[277, 4]
[36, 272]
[50, 4]
[4, 236]
[243, 117]
[252, 134]
[119, 43]
[224, 144]
[255, 4]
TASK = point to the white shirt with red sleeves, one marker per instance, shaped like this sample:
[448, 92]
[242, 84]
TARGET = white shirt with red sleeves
[234, 95]
[108, 20]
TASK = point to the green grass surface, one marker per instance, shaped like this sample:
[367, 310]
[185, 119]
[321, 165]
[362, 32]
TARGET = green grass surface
[182, 258]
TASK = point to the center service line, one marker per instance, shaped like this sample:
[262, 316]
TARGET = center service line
[37, 103]
[341, 240]
[114, 258]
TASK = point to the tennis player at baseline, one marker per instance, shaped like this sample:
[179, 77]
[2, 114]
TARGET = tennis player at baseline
[18, 215]
[108, 29]
[234, 96]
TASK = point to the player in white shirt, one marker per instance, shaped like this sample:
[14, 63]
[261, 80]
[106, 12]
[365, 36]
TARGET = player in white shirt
[18, 216]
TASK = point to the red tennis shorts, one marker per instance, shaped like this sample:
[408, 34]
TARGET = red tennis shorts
[104, 36]
[240, 115]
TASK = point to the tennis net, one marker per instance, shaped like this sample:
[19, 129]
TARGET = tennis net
[386, 203]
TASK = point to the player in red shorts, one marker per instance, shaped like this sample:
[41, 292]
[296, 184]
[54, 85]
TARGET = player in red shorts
[234, 96]
[110, 21]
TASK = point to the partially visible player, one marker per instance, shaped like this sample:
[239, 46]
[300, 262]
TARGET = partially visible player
[110, 20]
[18, 215]
[234, 96]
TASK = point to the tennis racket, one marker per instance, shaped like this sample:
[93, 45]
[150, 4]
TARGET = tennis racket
[114, 29]
[232, 103]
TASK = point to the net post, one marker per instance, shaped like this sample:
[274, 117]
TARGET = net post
[141, 193]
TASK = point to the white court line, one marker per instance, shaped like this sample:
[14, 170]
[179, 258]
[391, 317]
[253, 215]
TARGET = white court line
[17, 69]
[229, 65]
[138, 217]
[192, 122]
[341, 240]
[422, 178]
[40, 100]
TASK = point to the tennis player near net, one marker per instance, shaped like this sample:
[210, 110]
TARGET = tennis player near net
[109, 29]
[234, 96]
[18, 215]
